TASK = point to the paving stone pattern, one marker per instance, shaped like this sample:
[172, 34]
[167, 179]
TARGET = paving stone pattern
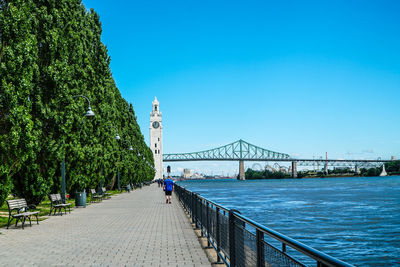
[130, 229]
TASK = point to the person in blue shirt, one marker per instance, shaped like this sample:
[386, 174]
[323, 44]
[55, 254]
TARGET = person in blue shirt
[168, 188]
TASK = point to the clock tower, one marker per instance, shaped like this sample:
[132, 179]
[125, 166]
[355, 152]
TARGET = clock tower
[156, 139]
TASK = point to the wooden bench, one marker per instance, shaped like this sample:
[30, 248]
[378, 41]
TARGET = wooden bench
[105, 194]
[56, 204]
[95, 196]
[18, 209]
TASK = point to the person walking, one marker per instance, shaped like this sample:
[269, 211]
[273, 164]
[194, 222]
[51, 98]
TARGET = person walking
[168, 188]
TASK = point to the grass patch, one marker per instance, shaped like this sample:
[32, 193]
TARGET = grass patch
[43, 208]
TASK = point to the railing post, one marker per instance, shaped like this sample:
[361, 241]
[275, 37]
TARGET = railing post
[201, 218]
[321, 264]
[260, 249]
[239, 239]
[196, 210]
[232, 252]
[208, 225]
[236, 240]
[192, 209]
[218, 236]
[186, 200]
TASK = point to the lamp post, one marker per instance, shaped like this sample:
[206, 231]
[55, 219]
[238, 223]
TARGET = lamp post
[148, 164]
[130, 148]
[117, 138]
[130, 145]
[89, 113]
[146, 161]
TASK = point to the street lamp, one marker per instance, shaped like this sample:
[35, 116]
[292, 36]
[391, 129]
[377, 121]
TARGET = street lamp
[89, 113]
[117, 137]
[130, 145]
[130, 148]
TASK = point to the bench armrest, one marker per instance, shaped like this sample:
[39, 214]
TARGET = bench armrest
[21, 210]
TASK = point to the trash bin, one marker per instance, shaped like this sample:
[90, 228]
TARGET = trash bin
[80, 199]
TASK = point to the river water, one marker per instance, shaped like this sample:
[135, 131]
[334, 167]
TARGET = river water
[354, 219]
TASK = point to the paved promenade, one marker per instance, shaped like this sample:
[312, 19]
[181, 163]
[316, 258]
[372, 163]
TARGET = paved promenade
[130, 229]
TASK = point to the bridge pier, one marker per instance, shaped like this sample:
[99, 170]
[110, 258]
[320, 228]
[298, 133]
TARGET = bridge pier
[294, 169]
[241, 170]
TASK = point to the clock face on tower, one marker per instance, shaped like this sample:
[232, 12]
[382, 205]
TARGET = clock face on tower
[156, 124]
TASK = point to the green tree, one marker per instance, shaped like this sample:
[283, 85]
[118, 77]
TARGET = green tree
[51, 51]
[18, 70]
[265, 174]
[393, 167]
[372, 172]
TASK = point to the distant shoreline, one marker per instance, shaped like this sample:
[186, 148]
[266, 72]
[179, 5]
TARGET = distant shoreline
[311, 177]
[307, 177]
[343, 176]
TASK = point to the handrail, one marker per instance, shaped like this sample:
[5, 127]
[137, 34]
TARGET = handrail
[313, 253]
[209, 201]
[321, 258]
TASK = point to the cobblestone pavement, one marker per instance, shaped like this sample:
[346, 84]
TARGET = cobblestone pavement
[130, 229]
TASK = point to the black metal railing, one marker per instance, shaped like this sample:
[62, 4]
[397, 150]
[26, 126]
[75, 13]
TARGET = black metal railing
[240, 241]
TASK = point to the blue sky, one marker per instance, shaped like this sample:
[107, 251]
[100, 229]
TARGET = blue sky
[299, 77]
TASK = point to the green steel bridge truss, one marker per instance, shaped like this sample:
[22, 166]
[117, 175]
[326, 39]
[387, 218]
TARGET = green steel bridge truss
[244, 151]
[239, 150]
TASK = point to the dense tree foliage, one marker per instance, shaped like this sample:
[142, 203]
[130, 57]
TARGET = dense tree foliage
[251, 174]
[51, 51]
[393, 167]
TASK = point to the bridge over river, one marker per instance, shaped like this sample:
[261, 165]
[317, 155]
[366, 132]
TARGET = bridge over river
[242, 151]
